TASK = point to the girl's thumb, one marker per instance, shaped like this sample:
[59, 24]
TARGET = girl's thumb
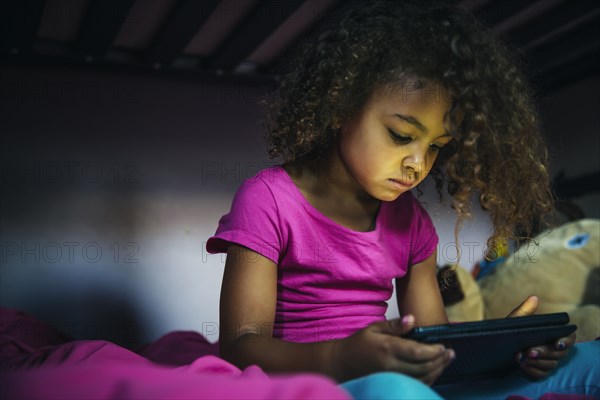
[400, 326]
[527, 307]
[408, 319]
[408, 322]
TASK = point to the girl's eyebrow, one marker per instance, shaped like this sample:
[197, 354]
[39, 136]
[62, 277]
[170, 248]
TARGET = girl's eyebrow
[415, 122]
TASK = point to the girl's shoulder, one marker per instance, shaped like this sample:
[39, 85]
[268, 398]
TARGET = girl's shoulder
[268, 186]
[271, 175]
[272, 178]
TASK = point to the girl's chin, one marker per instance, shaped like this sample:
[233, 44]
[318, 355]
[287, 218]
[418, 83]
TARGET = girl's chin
[389, 195]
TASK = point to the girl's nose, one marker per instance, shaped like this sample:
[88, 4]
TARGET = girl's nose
[411, 172]
[414, 165]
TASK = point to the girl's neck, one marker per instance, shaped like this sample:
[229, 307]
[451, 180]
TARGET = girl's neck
[327, 178]
[328, 186]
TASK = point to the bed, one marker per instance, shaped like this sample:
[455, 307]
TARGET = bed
[39, 362]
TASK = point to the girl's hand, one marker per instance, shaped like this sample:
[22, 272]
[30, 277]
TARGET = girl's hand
[540, 361]
[380, 347]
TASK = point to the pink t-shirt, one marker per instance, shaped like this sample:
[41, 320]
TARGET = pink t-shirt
[332, 280]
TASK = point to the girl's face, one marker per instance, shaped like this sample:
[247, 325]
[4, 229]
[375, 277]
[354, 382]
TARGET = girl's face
[392, 144]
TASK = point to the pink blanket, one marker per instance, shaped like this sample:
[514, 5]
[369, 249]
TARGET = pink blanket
[38, 362]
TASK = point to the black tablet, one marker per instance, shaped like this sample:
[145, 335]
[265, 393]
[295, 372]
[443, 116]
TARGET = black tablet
[487, 349]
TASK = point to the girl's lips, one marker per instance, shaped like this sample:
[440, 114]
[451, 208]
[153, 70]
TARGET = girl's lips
[401, 184]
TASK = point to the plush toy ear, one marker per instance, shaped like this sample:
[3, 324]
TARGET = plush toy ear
[460, 294]
[449, 285]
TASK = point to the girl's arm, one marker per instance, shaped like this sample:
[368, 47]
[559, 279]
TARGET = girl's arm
[418, 294]
[248, 300]
[247, 312]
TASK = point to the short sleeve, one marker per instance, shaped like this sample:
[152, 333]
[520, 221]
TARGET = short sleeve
[252, 222]
[425, 238]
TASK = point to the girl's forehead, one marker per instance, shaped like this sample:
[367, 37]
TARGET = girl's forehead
[412, 94]
[429, 103]
[413, 90]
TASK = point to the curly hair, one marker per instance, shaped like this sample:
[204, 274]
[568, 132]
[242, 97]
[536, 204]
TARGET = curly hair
[498, 151]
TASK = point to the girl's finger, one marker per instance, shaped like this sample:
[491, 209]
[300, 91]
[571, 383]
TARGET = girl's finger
[408, 320]
[545, 353]
[566, 342]
[432, 376]
[560, 344]
[527, 307]
[535, 372]
[418, 353]
[543, 365]
[558, 350]
[423, 370]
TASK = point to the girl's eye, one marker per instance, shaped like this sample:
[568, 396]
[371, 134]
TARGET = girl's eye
[436, 147]
[398, 138]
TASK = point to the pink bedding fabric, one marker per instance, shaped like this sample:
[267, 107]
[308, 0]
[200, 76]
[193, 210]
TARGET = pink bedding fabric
[38, 362]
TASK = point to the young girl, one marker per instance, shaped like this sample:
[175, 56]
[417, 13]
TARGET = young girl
[383, 95]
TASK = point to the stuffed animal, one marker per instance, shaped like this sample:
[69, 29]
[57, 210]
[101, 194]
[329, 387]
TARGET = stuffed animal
[560, 266]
